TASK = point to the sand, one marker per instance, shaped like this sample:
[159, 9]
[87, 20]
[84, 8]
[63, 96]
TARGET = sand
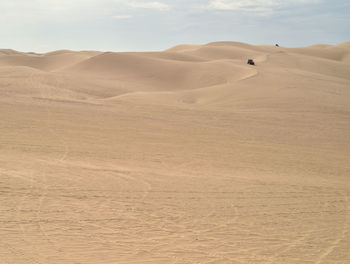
[183, 156]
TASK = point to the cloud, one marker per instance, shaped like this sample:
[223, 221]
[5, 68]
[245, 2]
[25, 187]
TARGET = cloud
[237, 5]
[122, 16]
[258, 6]
[149, 5]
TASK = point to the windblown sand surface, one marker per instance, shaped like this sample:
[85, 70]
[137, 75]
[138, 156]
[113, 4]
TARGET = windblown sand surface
[183, 156]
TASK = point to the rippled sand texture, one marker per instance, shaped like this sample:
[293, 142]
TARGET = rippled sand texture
[183, 156]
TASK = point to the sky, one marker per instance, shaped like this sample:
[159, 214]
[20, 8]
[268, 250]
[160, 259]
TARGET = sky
[147, 25]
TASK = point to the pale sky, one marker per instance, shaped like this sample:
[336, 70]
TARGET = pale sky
[135, 25]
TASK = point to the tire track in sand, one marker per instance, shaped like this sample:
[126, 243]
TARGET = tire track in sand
[336, 242]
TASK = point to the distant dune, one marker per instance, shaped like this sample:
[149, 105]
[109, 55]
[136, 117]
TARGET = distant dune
[188, 155]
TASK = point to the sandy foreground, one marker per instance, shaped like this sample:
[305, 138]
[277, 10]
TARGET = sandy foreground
[183, 156]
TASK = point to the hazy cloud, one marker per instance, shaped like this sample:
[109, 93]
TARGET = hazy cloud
[258, 6]
[122, 16]
[149, 5]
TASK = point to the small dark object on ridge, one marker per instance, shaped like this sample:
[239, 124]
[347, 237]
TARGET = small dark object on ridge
[277, 45]
[251, 62]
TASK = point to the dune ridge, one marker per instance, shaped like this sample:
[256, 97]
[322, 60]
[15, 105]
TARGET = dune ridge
[188, 155]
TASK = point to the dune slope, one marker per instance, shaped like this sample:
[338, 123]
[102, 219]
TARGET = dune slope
[183, 156]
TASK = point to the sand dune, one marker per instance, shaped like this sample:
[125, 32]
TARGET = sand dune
[152, 72]
[337, 53]
[46, 62]
[9, 52]
[183, 156]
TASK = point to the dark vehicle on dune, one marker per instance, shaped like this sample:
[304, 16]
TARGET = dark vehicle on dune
[251, 62]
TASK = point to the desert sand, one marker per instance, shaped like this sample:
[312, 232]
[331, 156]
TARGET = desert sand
[188, 155]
